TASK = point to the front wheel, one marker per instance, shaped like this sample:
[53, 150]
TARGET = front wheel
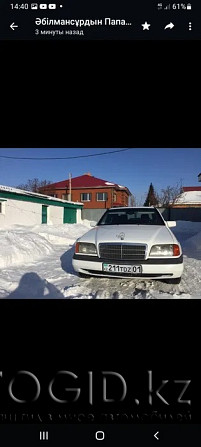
[174, 281]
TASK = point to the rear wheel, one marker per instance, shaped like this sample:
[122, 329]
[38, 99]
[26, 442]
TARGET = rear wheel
[174, 281]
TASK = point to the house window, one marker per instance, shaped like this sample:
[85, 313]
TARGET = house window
[86, 197]
[0, 208]
[101, 196]
[114, 197]
[64, 196]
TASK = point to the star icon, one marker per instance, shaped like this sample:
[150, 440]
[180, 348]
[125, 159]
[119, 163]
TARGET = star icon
[145, 26]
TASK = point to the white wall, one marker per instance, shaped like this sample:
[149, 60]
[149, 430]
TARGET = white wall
[79, 217]
[55, 215]
[21, 213]
[16, 212]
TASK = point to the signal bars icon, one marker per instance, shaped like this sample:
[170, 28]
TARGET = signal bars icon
[43, 435]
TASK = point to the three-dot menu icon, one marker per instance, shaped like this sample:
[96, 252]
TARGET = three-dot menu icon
[43, 435]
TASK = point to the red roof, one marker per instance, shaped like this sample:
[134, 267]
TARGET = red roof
[191, 188]
[84, 181]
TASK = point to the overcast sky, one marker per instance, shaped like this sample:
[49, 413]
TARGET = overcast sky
[135, 168]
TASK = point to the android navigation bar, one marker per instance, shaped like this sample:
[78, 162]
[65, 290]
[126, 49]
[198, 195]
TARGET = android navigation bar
[108, 435]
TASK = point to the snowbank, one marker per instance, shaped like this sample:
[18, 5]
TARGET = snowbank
[192, 246]
[62, 234]
[18, 248]
[187, 227]
[21, 244]
[189, 235]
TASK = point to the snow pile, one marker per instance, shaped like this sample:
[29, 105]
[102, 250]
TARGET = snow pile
[189, 235]
[185, 230]
[192, 246]
[18, 248]
[21, 244]
[186, 227]
[87, 223]
[61, 234]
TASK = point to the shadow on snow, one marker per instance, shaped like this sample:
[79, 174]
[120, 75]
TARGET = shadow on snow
[32, 286]
[66, 262]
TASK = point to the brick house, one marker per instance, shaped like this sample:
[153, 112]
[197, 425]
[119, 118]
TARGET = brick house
[93, 192]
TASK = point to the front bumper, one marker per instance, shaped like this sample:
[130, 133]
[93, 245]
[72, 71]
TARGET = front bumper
[151, 268]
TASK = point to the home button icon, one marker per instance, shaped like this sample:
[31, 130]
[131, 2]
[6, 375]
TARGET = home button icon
[100, 435]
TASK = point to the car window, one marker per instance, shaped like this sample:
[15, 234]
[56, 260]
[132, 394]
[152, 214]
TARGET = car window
[132, 216]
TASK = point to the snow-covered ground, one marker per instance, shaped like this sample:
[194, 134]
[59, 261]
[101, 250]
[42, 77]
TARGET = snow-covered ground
[36, 262]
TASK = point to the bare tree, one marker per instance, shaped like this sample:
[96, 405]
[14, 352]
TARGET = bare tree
[169, 195]
[34, 185]
[140, 201]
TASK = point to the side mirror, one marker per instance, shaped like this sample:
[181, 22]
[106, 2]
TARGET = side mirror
[171, 223]
[92, 224]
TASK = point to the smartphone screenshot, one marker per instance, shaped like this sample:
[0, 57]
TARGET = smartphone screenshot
[102, 20]
[100, 264]
[100, 236]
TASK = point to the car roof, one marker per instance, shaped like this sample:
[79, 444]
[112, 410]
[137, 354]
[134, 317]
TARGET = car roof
[131, 207]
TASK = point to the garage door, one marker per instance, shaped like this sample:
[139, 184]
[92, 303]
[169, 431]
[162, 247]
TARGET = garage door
[44, 214]
[69, 215]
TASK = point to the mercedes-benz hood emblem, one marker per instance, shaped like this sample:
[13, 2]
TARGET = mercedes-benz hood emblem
[121, 236]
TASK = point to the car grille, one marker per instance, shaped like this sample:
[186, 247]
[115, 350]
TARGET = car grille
[122, 251]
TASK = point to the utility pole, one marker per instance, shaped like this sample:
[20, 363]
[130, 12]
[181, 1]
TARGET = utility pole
[70, 176]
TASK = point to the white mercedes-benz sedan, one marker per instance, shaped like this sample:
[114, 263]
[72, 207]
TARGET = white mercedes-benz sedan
[130, 243]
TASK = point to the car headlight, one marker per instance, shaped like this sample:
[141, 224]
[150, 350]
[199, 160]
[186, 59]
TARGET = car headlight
[85, 248]
[165, 250]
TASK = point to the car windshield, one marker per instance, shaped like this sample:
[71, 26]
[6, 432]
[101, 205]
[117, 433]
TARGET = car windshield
[132, 216]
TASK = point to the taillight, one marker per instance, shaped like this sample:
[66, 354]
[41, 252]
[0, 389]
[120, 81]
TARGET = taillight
[176, 250]
[77, 247]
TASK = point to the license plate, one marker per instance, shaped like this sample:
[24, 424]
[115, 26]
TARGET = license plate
[114, 268]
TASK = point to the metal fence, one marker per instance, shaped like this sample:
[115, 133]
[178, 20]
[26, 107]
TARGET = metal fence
[188, 214]
[92, 214]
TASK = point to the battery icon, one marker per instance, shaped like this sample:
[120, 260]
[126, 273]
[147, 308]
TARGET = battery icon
[188, 5]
